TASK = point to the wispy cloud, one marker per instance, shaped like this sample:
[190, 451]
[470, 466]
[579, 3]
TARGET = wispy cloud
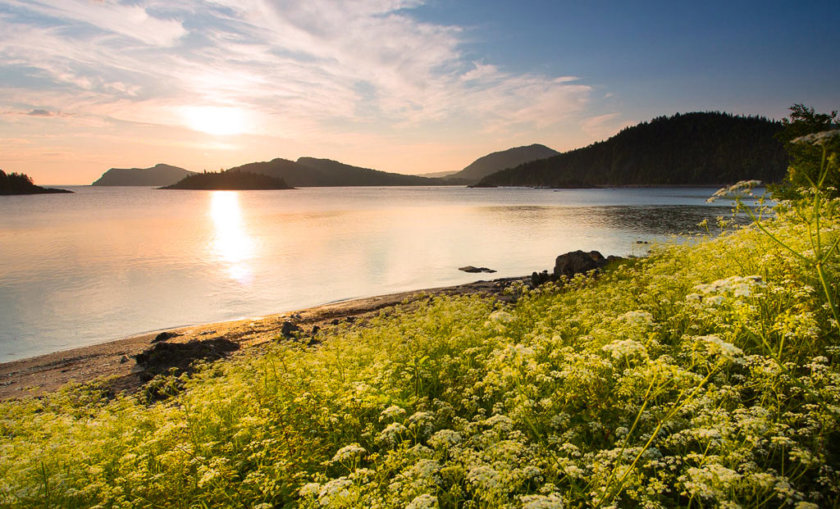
[296, 59]
[298, 69]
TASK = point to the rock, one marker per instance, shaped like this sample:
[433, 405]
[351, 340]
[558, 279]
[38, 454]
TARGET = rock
[575, 262]
[539, 278]
[471, 269]
[163, 356]
[164, 336]
[289, 329]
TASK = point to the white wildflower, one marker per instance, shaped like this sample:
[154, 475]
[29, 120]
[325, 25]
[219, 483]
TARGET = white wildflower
[637, 317]
[349, 452]
[422, 422]
[739, 286]
[499, 422]
[424, 471]
[716, 346]
[736, 189]
[573, 471]
[444, 438]
[392, 412]
[501, 317]
[424, 501]
[552, 501]
[819, 138]
[622, 348]
[391, 434]
[309, 490]
[334, 491]
[484, 478]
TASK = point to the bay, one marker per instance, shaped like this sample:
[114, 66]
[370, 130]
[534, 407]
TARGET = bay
[110, 262]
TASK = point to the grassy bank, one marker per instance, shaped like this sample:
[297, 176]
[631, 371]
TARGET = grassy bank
[702, 376]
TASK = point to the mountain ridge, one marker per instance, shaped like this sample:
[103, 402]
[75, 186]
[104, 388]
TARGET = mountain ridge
[503, 159]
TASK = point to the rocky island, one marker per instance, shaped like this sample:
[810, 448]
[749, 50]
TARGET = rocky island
[158, 175]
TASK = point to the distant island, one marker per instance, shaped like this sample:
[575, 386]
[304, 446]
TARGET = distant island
[231, 180]
[19, 183]
[158, 175]
[684, 149]
[313, 172]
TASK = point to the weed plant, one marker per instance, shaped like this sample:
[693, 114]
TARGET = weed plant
[704, 375]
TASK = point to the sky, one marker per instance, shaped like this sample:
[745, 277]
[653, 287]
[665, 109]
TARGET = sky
[410, 86]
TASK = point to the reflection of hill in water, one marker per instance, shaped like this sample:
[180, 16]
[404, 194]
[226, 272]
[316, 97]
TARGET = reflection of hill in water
[649, 219]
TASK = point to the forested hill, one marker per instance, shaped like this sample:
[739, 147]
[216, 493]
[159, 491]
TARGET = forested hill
[685, 149]
[340, 174]
[312, 172]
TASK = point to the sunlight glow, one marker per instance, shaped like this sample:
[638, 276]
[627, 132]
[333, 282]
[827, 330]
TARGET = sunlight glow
[215, 120]
[231, 243]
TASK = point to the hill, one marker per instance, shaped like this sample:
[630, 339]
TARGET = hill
[341, 174]
[234, 180]
[158, 175]
[688, 149]
[497, 161]
[312, 172]
[18, 183]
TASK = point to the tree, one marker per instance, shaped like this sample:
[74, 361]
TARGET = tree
[810, 155]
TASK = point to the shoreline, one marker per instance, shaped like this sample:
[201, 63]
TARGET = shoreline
[114, 362]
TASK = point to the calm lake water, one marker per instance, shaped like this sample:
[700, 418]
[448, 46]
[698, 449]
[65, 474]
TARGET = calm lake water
[106, 263]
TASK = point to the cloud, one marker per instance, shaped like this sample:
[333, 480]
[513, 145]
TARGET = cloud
[39, 113]
[132, 21]
[297, 66]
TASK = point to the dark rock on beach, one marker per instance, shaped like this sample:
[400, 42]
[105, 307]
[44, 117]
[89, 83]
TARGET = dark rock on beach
[475, 270]
[575, 262]
[161, 357]
[164, 336]
[571, 263]
[290, 329]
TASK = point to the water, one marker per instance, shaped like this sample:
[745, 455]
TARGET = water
[105, 263]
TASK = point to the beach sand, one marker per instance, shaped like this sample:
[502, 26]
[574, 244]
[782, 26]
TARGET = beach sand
[114, 364]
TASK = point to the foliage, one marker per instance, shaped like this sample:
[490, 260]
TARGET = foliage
[806, 156]
[692, 148]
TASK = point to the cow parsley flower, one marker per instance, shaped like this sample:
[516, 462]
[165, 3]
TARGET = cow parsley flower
[393, 412]
[424, 501]
[552, 501]
[349, 452]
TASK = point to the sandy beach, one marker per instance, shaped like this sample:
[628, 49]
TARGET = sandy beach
[115, 365]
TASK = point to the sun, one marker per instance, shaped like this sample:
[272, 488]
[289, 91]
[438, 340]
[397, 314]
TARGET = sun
[215, 120]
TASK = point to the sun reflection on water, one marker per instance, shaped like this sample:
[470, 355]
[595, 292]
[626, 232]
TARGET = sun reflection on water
[231, 244]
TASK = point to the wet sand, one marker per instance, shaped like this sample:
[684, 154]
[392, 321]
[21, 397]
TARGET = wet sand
[114, 363]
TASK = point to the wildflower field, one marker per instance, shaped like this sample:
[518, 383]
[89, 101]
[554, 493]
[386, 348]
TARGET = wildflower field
[705, 375]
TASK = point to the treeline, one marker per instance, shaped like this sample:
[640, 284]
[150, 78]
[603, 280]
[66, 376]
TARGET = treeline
[229, 180]
[19, 183]
[685, 149]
